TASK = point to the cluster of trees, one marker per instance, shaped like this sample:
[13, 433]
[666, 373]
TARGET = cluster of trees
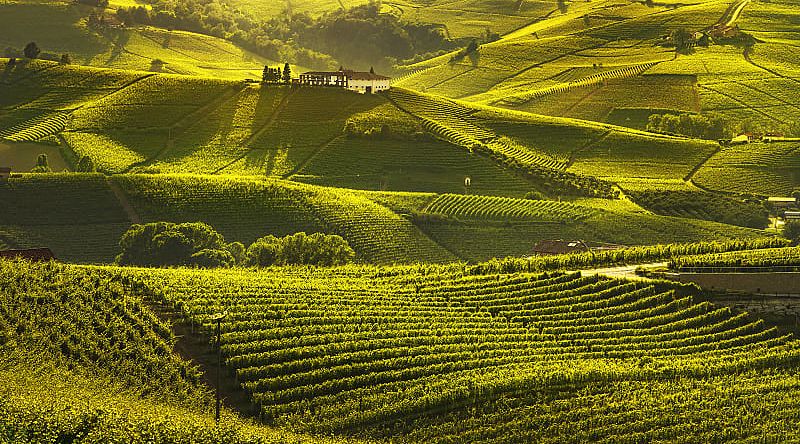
[275, 75]
[359, 36]
[32, 51]
[197, 244]
[386, 132]
[710, 127]
[706, 206]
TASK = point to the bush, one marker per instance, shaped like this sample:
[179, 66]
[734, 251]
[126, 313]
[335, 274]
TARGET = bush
[170, 244]
[300, 248]
[791, 231]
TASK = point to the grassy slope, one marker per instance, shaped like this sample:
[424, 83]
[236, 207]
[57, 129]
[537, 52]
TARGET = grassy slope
[60, 27]
[569, 51]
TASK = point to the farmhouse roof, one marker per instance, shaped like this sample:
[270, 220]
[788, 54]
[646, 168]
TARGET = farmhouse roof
[350, 74]
[560, 247]
[782, 200]
[31, 254]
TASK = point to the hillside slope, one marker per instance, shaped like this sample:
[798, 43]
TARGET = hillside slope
[606, 64]
[83, 360]
[62, 27]
[427, 356]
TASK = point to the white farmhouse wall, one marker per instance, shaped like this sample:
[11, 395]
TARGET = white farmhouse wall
[362, 85]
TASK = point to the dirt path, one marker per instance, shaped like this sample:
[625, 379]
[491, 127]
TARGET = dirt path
[198, 347]
[623, 271]
[124, 202]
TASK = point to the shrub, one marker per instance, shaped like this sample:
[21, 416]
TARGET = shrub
[791, 231]
[166, 244]
[300, 248]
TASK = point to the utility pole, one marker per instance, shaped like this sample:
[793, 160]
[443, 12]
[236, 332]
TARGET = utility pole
[218, 319]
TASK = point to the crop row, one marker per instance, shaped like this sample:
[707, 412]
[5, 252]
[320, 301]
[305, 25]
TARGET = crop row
[330, 352]
[501, 208]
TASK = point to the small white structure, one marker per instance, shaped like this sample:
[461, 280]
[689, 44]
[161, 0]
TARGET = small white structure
[782, 202]
[360, 82]
[791, 216]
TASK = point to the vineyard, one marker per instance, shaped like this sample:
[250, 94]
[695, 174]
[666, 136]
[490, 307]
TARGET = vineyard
[423, 357]
[82, 360]
[758, 260]
[498, 208]
[704, 206]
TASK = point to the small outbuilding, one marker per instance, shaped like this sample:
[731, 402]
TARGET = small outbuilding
[30, 254]
[782, 202]
[791, 216]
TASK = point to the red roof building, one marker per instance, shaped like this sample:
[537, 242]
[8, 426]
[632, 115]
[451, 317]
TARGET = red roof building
[31, 254]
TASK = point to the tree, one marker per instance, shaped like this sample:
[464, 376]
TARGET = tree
[168, 244]
[264, 251]
[238, 251]
[300, 248]
[156, 65]
[65, 59]
[287, 73]
[791, 231]
[682, 39]
[42, 165]
[31, 50]
[86, 165]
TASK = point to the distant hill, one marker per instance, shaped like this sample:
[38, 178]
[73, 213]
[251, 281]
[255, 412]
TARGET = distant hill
[604, 62]
[61, 27]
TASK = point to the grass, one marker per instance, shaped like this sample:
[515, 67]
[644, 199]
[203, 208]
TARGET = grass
[245, 209]
[60, 27]
[763, 169]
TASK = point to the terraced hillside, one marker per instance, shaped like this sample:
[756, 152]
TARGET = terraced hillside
[604, 63]
[62, 27]
[436, 357]
[84, 361]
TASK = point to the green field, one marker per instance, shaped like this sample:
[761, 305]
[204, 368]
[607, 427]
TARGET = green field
[60, 27]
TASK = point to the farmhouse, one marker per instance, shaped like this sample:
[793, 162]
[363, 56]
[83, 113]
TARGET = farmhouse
[32, 254]
[361, 82]
[5, 173]
[782, 202]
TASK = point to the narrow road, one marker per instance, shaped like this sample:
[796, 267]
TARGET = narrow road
[623, 271]
[735, 13]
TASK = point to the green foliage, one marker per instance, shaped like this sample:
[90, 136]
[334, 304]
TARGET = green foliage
[31, 50]
[740, 261]
[85, 320]
[791, 231]
[42, 166]
[420, 353]
[169, 244]
[361, 35]
[707, 206]
[300, 249]
[687, 124]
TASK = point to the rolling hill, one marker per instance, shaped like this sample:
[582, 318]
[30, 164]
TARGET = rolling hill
[61, 27]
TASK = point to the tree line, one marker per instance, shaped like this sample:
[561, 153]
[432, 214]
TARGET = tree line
[359, 36]
[197, 244]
